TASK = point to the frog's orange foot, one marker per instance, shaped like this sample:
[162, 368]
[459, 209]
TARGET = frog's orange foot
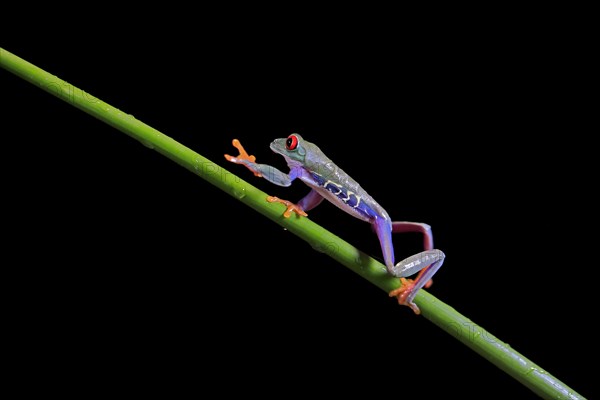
[243, 158]
[403, 292]
[291, 207]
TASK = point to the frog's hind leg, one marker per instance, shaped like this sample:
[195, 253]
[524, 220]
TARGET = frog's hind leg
[418, 227]
[427, 262]
[435, 258]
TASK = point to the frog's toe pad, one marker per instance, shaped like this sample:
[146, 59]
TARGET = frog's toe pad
[242, 156]
[402, 294]
[291, 207]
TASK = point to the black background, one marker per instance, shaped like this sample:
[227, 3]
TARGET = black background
[130, 258]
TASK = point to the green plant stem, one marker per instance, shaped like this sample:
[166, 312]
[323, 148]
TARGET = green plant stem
[444, 316]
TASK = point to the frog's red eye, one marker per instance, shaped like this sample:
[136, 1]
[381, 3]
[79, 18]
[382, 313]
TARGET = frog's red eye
[292, 142]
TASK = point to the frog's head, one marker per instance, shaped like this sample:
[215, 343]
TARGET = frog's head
[292, 148]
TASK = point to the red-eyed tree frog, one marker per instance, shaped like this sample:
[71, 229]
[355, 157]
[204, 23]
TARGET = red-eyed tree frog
[327, 181]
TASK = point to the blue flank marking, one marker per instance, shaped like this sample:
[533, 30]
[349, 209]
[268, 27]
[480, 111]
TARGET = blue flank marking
[319, 179]
[342, 193]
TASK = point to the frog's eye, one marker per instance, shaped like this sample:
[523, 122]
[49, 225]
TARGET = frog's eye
[291, 143]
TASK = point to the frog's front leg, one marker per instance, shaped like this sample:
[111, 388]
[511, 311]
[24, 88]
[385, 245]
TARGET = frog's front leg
[268, 172]
[271, 174]
[307, 203]
[428, 261]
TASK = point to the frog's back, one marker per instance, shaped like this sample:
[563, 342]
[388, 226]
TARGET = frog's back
[339, 188]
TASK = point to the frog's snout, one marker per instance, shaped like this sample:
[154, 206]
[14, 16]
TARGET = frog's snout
[278, 145]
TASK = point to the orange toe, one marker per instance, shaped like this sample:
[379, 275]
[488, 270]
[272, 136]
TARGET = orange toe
[291, 207]
[403, 292]
[243, 156]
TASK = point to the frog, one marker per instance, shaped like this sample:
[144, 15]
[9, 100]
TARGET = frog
[327, 181]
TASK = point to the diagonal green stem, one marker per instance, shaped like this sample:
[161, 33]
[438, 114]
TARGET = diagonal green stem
[444, 316]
